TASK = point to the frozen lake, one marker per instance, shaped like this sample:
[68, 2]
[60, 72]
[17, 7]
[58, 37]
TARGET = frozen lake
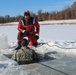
[65, 59]
[59, 32]
[52, 32]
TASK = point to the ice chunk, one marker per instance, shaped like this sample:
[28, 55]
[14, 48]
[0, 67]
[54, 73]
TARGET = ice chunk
[3, 41]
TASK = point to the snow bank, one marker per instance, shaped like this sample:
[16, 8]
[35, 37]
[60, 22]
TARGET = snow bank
[51, 22]
[47, 22]
[8, 24]
[3, 41]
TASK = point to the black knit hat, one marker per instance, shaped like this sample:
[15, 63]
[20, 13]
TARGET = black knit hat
[25, 42]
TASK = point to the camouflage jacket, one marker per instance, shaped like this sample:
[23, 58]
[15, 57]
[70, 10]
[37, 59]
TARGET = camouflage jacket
[25, 55]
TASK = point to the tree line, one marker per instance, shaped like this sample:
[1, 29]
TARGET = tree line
[8, 18]
[67, 13]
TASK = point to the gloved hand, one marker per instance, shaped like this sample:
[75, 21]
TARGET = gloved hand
[27, 33]
[23, 31]
[37, 36]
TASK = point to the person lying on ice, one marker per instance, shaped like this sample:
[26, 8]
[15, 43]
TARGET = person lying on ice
[25, 55]
[28, 26]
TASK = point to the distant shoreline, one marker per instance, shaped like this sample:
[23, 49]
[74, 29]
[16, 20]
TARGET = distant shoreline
[51, 22]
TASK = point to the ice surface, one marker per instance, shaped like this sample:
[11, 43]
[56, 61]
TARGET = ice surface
[57, 41]
[10, 31]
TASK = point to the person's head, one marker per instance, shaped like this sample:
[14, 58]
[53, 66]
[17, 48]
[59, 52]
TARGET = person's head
[25, 42]
[26, 15]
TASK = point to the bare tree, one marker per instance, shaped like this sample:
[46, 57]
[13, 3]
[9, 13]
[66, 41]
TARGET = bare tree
[40, 15]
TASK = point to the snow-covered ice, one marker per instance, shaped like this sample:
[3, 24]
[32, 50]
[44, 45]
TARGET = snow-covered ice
[58, 42]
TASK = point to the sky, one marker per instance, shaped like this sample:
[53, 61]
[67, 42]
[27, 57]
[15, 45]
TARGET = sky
[17, 7]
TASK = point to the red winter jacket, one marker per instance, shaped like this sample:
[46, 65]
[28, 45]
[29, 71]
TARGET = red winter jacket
[29, 26]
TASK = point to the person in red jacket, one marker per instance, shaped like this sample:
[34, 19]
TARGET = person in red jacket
[30, 28]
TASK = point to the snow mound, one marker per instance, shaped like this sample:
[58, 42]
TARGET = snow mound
[3, 41]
